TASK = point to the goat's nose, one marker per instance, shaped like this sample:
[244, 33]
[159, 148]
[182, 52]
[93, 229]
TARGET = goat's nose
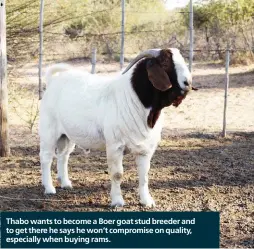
[187, 84]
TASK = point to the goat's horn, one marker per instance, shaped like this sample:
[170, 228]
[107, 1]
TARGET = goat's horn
[148, 53]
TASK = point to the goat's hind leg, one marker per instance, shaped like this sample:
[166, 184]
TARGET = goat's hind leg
[64, 149]
[47, 152]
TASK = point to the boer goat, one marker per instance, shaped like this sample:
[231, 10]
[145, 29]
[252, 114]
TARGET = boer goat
[125, 111]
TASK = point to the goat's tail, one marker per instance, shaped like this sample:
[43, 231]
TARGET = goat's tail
[55, 69]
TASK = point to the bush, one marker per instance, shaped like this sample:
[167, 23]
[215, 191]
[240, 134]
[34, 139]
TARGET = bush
[241, 58]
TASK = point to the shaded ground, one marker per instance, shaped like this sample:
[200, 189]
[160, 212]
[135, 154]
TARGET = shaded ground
[194, 172]
[194, 169]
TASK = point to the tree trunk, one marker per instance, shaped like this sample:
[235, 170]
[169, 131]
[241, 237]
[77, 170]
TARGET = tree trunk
[4, 131]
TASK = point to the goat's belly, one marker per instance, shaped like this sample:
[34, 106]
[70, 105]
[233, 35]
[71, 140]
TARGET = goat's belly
[86, 137]
[89, 143]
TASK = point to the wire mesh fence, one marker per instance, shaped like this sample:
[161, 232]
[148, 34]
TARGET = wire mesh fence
[75, 42]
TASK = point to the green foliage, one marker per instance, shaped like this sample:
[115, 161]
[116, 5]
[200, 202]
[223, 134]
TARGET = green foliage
[88, 22]
[72, 27]
[222, 12]
[222, 23]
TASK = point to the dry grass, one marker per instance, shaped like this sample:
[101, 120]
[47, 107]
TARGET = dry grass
[242, 58]
[194, 169]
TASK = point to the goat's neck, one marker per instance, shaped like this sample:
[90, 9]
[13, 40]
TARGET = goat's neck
[150, 97]
[129, 103]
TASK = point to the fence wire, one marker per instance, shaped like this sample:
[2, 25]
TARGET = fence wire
[201, 112]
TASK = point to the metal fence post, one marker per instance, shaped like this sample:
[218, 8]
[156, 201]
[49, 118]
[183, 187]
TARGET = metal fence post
[93, 60]
[122, 37]
[224, 132]
[191, 36]
[40, 49]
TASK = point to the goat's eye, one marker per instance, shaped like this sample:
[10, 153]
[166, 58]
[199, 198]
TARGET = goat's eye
[185, 83]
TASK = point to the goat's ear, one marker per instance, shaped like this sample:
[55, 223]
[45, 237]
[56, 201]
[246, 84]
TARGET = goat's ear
[158, 76]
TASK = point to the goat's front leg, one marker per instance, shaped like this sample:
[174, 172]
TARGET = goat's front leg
[115, 165]
[143, 164]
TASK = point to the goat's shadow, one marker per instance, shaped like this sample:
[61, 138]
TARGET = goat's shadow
[230, 163]
[32, 198]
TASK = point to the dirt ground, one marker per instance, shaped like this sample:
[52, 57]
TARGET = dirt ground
[193, 169]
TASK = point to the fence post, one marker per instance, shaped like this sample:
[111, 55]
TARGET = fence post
[191, 36]
[122, 38]
[224, 132]
[93, 60]
[40, 49]
[4, 128]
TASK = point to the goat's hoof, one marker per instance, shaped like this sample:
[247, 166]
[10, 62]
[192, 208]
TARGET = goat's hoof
[147, 202]
[66, 184]
[117, 201]
[50, 190]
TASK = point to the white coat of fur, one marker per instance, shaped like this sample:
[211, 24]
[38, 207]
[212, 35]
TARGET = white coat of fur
[94, 112]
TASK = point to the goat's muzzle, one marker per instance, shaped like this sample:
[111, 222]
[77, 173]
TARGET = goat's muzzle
[178, 100]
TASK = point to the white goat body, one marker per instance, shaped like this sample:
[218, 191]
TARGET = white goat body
[93, 111]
